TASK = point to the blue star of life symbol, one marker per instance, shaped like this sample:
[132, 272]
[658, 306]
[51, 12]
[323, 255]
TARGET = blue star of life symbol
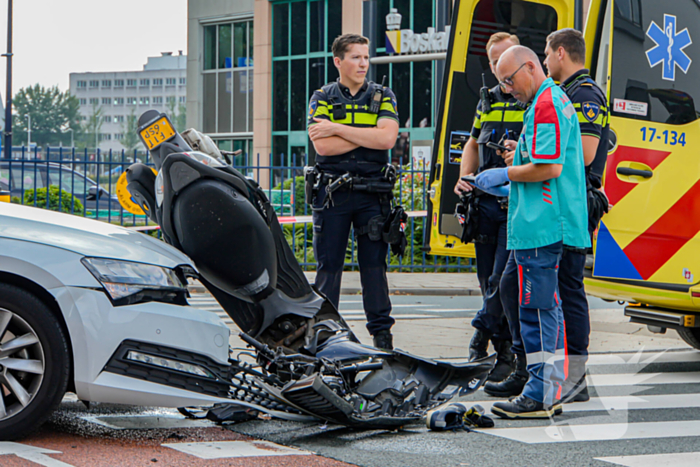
[669, 47]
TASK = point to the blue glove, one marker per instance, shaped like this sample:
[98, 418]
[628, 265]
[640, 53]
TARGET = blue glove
[493, 182]
[492, 178]
[502, 191]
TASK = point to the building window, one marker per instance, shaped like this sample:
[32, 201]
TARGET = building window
[131, 101]
[118, 83]
[143, 100]
[183, 81]
[170, 99]
[107, 119]
[302, 35]
[118, 136]
[145, 82]
[182, 99]
[118, 101]
[158, 100]
[170, 81]
[105, 136]
[157, 81]
[94, 101]
[82, 84]
[94, 83]
[106, 100]
[131, 83]
[227, 78]
[82, 101]
[106, 83]
[119, 119]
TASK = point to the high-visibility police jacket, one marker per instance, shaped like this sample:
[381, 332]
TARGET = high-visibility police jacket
[361, 161]
[592, 111]
[506, 114]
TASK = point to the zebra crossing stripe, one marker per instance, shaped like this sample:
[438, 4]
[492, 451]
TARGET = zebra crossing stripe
[620, 403]
[681, 459]
[568, 433]
[229, 449]
[644, 357]
[634, 379]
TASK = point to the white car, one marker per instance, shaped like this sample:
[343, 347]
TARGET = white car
[100, 311]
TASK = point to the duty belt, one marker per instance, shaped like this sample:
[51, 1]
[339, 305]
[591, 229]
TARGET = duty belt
[317, 180]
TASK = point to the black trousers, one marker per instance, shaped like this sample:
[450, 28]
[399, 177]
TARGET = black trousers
[331, 231]
[491, 258]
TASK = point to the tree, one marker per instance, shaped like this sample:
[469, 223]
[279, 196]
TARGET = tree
[51, 112]
[131, 140]
[177, 114]
[92, 127]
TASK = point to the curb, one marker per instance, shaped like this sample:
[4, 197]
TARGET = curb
[443, 292]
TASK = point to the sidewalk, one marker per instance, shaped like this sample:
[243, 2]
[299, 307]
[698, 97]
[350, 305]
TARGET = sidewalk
[403, 283]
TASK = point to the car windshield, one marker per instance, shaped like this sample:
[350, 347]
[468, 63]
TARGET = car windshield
[69, 180]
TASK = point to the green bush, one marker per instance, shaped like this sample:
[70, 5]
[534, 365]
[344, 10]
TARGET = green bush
[299, 197]
[67, 202]
[16, 200]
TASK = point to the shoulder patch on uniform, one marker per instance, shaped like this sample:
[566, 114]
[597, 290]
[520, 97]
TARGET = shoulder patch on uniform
[312, 108]
[590, 111]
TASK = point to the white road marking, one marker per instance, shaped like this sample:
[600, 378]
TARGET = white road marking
[565, 433]
[32, 453]
[644, 357]
[229, 449]
[618, 403]
[633, 379]
[681, 459]
[146, 422]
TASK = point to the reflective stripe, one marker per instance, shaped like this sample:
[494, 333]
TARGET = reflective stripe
[602, 107]
[321, 110]
[497, 116]
[387, 106]
[322, 102]
[538, 358]
[582, 119]
[477, 124]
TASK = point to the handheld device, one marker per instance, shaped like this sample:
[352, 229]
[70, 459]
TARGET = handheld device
[377, 98]
[469, 179]
[496, 146]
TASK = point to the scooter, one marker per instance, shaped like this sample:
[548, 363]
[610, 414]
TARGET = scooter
[309, 362]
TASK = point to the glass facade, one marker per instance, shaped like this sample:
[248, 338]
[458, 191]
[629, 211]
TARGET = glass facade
[413, 83]
[302, 34]
[227, 80]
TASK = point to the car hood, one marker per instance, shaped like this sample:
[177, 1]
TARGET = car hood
[85, 236]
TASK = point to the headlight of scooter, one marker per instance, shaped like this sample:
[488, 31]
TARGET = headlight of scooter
[126, 282]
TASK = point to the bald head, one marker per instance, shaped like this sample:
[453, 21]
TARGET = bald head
[521, 66]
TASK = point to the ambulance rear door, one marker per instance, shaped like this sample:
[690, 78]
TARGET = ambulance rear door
[652, 177]
[473, 22]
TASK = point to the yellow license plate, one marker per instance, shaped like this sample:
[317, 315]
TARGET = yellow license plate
[157, 132]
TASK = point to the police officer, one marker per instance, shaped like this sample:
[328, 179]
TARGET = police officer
[566, 54]
[500, 117]
[352, 124]
[547, 210]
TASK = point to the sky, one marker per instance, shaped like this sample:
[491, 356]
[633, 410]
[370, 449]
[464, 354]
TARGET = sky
[53, 38]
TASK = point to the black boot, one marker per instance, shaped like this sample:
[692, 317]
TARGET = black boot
[384, 340]
[515, 382]
[522, 407]
[577, 392]
[478, 347]
[505, 362]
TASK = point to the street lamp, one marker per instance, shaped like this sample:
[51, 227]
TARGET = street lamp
[29, 130]
[72, 144]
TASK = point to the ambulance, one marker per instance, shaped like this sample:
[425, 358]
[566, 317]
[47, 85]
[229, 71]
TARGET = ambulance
[646, 55]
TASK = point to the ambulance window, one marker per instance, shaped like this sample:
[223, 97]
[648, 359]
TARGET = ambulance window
[532, 23]
[655, 65]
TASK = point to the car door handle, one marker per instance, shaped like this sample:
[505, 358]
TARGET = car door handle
[629, 171]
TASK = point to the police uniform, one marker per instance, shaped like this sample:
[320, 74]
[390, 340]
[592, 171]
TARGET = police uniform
[502, 116]
[591, 109]
[333, 217]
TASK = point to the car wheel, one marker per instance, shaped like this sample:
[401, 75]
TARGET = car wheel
[691, 336]
[34, 362]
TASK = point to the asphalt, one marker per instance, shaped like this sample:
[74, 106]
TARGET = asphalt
[402, 283]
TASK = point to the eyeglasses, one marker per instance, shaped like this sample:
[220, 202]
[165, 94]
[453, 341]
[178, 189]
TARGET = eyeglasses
[509, 80]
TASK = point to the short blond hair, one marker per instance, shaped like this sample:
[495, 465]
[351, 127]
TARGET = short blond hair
[499, 37]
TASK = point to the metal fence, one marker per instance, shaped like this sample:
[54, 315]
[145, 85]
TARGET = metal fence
[91, 178]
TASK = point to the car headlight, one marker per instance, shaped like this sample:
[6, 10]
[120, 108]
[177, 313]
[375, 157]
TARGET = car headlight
[127, 282]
